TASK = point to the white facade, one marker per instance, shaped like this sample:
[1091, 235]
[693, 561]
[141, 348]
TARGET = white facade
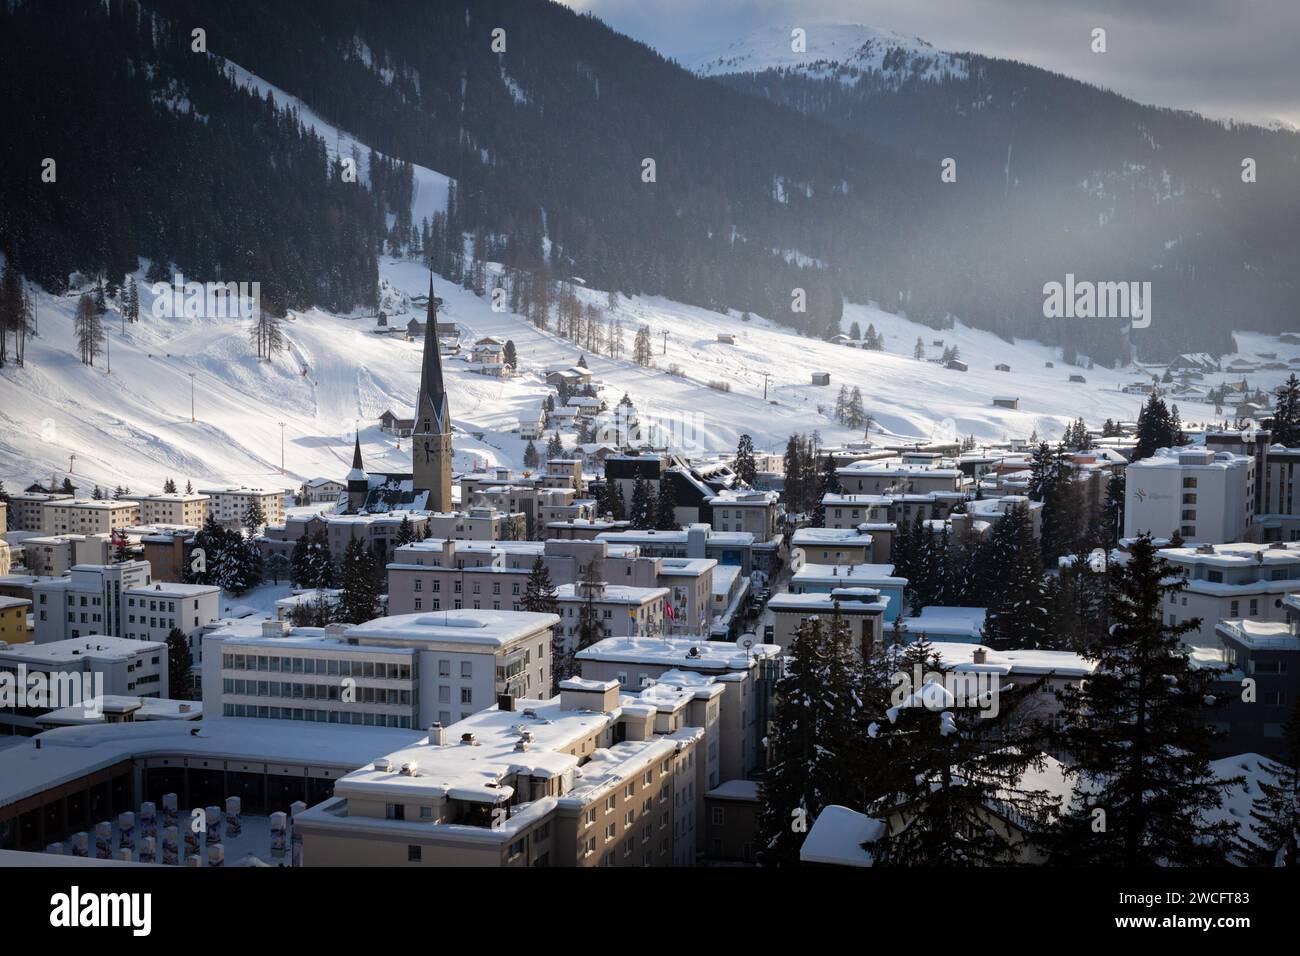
[1203, 495]
[227, 505]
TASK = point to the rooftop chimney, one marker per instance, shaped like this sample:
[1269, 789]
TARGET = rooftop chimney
[980, 656]
[506, 702]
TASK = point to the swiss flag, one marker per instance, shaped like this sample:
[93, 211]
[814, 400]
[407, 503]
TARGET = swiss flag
[669, 612]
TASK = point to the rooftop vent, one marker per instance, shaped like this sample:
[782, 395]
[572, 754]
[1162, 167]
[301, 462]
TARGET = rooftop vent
[411, 769]
[530, 712]
[383, 765]
[469, 740]
[980, 655]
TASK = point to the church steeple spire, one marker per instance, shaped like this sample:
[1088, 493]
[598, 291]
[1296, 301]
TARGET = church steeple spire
[433, 394]
[431, 440]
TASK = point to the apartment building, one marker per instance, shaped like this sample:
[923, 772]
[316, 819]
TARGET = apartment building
[407, 671]
[13, 620]
[151, 611]
[26, 511]
[1262, 657]
[1206, 496]
[621, 609]
[698, 540]
[116, 667]
[433, 575]
[833, 545]
[1277, 516]
[582, 779]
[746, 675]
[87, 601]
[228, 504]
[825, 578]
[173, 509]
[88, 516]
[897, 476]
[756, 512]
[55, 555]
[689, 608]
[1230, 581]
[861, 608]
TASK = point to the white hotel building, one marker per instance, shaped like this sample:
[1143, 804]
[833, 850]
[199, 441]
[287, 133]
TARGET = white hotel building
[1206, 496]
[408, 671]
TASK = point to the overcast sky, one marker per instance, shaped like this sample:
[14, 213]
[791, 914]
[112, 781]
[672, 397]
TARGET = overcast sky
[1223, 58]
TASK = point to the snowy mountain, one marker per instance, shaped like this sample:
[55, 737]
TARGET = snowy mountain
[844, 49]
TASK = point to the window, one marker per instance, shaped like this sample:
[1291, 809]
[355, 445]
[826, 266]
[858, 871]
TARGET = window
[444, 668]
[412, 853]
[718, 816]
[466, 671]
[467, 695]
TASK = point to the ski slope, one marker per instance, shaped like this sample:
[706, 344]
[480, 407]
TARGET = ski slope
[132, 426]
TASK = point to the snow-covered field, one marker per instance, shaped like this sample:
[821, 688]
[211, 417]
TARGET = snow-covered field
[132, 427]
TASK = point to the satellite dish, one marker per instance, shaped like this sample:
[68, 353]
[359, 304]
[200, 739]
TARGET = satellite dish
[746, 642]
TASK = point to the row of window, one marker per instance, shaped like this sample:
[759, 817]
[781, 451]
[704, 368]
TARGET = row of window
[311, 665]
[361, 695]
[365, 718]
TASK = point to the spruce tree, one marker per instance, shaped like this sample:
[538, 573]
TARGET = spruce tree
[531, 460]
[1275, 815]
[300, 567]
[359, 601]
[744, 466]
[1286, 419]
[1017, 617]
[179, 664]
[405, 532]
[555, 447]
[1138, 737]
[540, 598]
[955, 753]
[665, 507]
[590, 629]
[814, 740]
[641, 513]
[254, 518]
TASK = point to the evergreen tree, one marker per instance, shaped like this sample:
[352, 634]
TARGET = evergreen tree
[1286, 418]
[276, 567]
[793, 490]
[955, 754]
[254, 518]
[359, 601]
[511, 357]
[531, 459]
[540, 598]
[744, 466]
[1017, 618]
[405, 532]
[665, 507]
[300, 567]
[1112, 515]
[1155, 429]
[179, 664]
[555, 447]
[590, 629]
[1275, 814]
[169, 487]
[642, 511]
[1138, 736]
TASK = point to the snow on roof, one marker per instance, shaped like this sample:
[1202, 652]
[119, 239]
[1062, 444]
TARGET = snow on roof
[1261, 635]
[68, 753]
[837, 835]
[613, 594]
[824, 536]
[961, 656]
[735, 790]
[96, 647]
[688, 567]
[955, 621]
[460, 626]
[697, 654]
[848, 600]
[849, 574]
[172, 589]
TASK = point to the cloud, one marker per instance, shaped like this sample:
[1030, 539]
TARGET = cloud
[1223, 58]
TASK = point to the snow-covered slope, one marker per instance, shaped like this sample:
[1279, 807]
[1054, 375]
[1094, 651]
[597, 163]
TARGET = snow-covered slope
[829, 47]
[132, 427]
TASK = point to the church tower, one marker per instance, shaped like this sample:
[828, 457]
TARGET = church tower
[431, 440]
[358, 483]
